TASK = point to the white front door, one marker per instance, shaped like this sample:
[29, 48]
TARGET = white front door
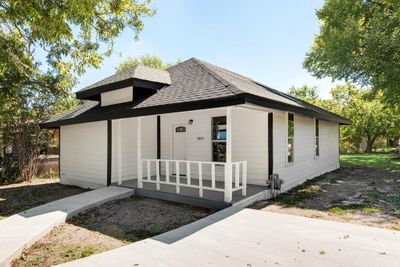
[179, 146]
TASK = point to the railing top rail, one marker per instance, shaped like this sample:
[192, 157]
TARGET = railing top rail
[195, 161]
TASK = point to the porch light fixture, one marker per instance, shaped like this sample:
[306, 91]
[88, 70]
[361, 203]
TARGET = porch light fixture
[190, 122]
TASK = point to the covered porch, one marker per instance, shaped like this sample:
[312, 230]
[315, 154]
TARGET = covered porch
[223, 181]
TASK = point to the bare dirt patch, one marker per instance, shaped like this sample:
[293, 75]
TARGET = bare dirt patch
[108, 226]
[362, 195]
[18, 197]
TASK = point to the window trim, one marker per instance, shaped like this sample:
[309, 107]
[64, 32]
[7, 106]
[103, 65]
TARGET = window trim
[289, 163]
[216, 140]
[316, 155]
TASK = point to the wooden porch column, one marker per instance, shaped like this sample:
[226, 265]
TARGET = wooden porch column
[119, 152]
[139, 152]
[228, 164]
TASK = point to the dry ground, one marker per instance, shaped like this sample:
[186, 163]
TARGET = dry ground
[18, 197]
[356, 194]
[108, 226]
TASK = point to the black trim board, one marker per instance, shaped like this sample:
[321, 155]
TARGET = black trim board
[136, 112]
[268, 103]
[158, 137]
[109, 151]
[129, 110]
[270, 144]
[59, 153]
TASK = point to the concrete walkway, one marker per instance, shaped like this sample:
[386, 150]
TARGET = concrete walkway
[258, 238]
[25, 228]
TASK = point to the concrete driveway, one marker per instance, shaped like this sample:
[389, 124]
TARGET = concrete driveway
[259, 238]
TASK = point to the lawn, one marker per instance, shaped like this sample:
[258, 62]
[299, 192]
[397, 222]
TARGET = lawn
[385, 161]
[365, 190]
[108, 226]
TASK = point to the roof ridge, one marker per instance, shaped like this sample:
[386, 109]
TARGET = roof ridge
[215, 75]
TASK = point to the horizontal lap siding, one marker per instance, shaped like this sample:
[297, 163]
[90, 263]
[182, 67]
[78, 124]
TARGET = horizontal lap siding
[117, 96]
[83, 152]
[250, 142]
[198, 137]
[129, 145]
[305, 165]
[84, 146]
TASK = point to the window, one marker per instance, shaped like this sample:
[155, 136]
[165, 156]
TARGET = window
[290, 135]
[219, 139]
[316, 137]
[180, 129]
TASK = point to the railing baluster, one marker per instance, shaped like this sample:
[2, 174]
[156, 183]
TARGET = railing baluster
[188, 172]
[167, 171]
[200, 180]
[148, 170]
[213, 175]
[237, 165]
[158, 175]
[177, 177]
[244, 179]
[228, 182]
[235, 178]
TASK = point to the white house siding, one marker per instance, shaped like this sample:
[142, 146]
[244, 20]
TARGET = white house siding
[129, 145]
[249, 139]
[250, 142]
[84, 146]
[305, 165]
[198, 137]
[83, 154]
[117, 96]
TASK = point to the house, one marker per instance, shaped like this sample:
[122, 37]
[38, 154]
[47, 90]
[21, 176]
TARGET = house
[194, 126]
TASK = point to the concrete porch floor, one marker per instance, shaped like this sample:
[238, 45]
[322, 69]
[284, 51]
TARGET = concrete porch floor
[193, 193]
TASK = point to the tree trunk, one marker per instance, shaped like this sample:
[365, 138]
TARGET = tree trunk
[370, 143]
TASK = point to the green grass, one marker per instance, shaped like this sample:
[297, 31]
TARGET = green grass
[384, 161]
[78, 252]
[346, 209]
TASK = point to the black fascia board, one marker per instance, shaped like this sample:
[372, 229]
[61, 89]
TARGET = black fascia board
[115, 112]
[268, 103]
[146, 111]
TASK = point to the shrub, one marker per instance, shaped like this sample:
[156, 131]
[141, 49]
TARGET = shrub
[347, 147]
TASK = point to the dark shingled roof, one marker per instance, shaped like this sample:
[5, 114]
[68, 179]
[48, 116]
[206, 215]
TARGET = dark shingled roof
[195, 84]
[139, 72]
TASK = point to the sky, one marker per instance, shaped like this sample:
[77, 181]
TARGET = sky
[265, 40]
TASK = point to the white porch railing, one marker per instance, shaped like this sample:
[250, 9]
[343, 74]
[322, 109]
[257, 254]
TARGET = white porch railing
[170, 172]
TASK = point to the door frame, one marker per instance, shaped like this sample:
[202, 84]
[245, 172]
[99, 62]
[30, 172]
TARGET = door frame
[173, 139]
[182, 171]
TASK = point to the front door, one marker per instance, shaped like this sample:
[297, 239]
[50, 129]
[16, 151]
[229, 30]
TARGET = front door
[179, 147]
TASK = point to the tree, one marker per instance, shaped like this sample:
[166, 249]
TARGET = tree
[306, 93]
[147, 60]
[370, 117]
[359, 42]
[44, 46]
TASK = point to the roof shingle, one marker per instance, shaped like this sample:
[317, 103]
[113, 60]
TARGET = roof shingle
[195, 80]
